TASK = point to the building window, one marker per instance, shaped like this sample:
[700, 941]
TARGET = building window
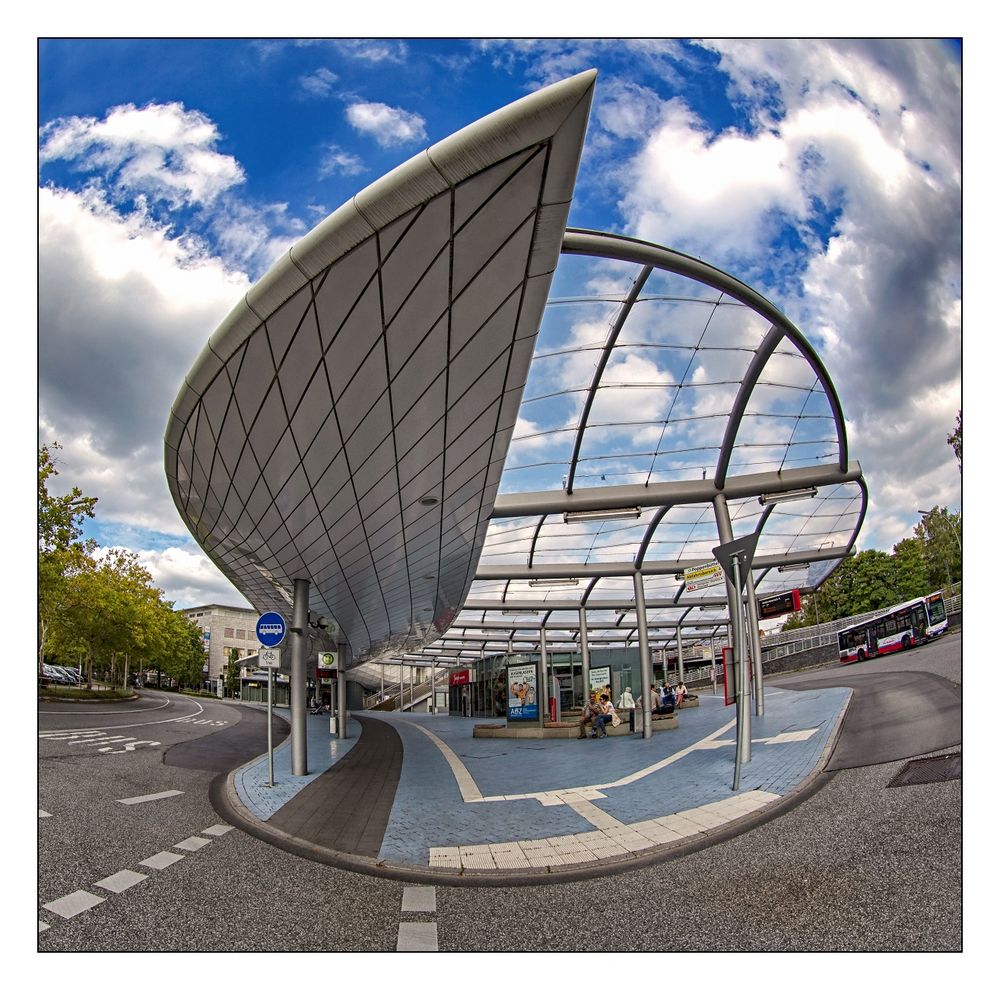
[241, 634]
[229, 632]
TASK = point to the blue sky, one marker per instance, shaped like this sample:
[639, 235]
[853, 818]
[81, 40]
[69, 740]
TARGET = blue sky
[173, 173]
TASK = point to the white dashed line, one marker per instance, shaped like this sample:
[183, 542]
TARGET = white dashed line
[217, 830]
[44, 814]
[192, 844]
[73, 904]
[417, 936]
[419, 899]
[81, 900]
[162, 860]
[149, 797]
[121, 880]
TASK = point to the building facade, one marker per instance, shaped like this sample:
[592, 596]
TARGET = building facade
[223, 628]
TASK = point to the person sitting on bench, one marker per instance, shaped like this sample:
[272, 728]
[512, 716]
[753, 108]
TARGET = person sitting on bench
[590, 712]
[606, 715]
[668, 701]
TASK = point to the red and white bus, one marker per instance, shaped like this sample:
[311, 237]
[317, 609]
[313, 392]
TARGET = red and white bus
[910, 624]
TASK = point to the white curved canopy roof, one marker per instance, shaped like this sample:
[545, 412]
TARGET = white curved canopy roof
[348, 422]
[370, 417]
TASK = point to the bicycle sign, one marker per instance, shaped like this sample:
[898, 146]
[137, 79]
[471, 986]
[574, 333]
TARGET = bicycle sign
[271, 629]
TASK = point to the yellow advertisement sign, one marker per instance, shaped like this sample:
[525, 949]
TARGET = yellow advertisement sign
[703, 576]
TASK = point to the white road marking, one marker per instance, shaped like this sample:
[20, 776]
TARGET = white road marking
[136, 725]
[417, 936]
[102, 738]
[192, 844]
[131, 711]
[44, 814]
[129, 747]
[42, 926]
[162, 860]
[121, 880]
[419, 899]
[149, 797]
[217, 829]
[73, 904]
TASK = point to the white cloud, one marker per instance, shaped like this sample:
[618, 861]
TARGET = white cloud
[123, 311]
[160, 149]
[388, 125]
[374, 49]
[319, 83]
[337, 161]
[189, 579]
[865, 133]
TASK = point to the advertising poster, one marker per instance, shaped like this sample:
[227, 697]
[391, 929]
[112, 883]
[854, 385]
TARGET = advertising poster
[522, 692]
[600, 681]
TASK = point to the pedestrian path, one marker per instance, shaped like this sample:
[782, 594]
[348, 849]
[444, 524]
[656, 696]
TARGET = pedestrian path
[464, 804]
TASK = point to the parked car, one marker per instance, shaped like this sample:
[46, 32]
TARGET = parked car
[55, 675]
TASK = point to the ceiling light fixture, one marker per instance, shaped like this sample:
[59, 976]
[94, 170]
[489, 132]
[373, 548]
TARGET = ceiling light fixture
[429, 500]
[775, 497]
[794, 567]
[566, 582]
[599, 515]
[519, 611]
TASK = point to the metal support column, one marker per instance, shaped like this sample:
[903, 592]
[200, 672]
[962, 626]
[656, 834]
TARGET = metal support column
[680, 656]
[645, 661]
[341, 702]
[299, 630]
[543, 680]
[736, 624]
[754, 636]
[584, 656]
[434, 694]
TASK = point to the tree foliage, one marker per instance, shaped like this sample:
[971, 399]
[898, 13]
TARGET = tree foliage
[99, 608]
[928, 561]
[955, 439]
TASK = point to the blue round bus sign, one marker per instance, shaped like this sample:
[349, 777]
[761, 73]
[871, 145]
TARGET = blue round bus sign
[271, 629]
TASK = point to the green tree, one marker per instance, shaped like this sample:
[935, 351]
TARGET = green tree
[182, 652]
[233, 672]
[941, 533]
[63, 554]
[955, 439]
[911, 569]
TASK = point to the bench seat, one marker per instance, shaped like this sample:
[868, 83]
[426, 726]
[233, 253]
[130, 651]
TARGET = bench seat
[561, 730]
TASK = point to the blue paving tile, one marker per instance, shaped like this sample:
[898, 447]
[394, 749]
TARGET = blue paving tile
[429, 811]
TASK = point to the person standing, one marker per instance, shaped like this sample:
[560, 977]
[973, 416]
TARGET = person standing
[627, 703]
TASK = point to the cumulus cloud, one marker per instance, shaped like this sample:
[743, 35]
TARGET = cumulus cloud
[375, 50]
[852, 147]
[389, 126]
[160, 149]
[337, 161]
[189, 578]
[319, 83]
[124, 309]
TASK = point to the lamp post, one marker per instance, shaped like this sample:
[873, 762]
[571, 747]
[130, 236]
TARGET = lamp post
[954, 532]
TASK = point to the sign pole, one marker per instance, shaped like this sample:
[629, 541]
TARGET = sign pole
[270, 738]
[740, 671]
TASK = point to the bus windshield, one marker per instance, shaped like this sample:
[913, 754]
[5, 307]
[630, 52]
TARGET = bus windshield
[935, 610]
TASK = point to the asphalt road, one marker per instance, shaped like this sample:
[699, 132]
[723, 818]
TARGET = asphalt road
[856, 865]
